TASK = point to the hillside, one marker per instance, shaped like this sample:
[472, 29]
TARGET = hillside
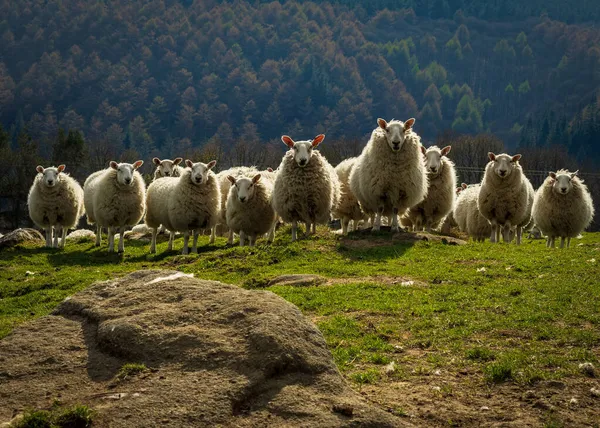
[164, 77]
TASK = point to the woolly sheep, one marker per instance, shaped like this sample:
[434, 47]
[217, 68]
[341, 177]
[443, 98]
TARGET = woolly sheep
[55, 201]
[389, 176]
[562, 207]
[441, 192]
[505, 196]
[348, 209]
[468, 217]
[306, 187]
[167, 167]
[189, 202]
[224, 186]
[249, 210]
[115, 198]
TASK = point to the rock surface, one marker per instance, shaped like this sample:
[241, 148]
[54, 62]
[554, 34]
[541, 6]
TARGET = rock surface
[20, 236]
[217, 355]
[298, 280]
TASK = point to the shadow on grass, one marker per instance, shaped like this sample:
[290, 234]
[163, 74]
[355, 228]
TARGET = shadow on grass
[367, 245]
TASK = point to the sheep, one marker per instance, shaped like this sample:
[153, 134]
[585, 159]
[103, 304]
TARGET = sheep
[249, 210]
[191, 201]
[505, 196]
[224, 186]
[348, 209]
[441, 192]
[467, 214]
[562, 207]
[115, 198]
[167, 168]
[306, 187]
[389, 175]
[55, 201]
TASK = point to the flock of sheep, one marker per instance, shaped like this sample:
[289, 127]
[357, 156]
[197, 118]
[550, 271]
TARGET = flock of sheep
[395, 179]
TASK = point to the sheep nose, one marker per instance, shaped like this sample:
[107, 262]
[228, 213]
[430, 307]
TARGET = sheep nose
[433, 169]
[563, 189]
[302, 161]
[242, 198]
[167, 174]
[198, 179]
[502, 172]
[127, 180]
[50, 181]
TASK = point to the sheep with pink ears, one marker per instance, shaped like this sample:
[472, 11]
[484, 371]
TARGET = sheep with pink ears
[562, 207]
[55, 203]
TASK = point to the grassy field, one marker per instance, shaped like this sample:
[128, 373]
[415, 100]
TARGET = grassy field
[496, 314]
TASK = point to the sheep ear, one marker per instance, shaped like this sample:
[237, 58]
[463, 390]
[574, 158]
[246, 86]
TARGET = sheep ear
[287, 141]
[409, 123]
[61, 168]
[423, 150]
[137, 164]
[463, 185]
[156, 161]
[552, 175]
[446, 150]
[516, 158]
[318, 140]
[114, 165]
[256, 178]
[39, 169]
[382, 124]
[573, 174]
[491, 156]
[270, 169]
[177, 161]
[211, 164]
[189, 163]
[231, 179]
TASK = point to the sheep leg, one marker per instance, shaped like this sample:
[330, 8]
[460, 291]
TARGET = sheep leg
[195, 243]
[54, 236]
[294, 227]
[64, 231]
[506, 232]
[171, 238]
[568, 242]
[562, 242]
[230, 238]
[252, 240]
[186, 240]
[271, 236]
[48, 236]
[98, 235]
[345, 222]
[551, 242]
[153, 242]
[377, 222]
[307, 231]
[519, 234]
[242, 238]
[111, 240]
[314, 228]
[122, 239]
[395, 227]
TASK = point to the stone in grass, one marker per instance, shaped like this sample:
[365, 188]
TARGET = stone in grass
[595, 392]
[298, 280]
[587, 369]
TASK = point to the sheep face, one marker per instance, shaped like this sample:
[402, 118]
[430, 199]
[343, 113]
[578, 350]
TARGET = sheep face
[166, 166]
[433, 158]
[303, 150]
[562, 181]
[244, 187]
[125, 171]
[200, 171]
[51, 176]
[395, 132]
[503, 164]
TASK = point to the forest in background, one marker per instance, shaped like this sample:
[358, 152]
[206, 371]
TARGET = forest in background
[83, 82]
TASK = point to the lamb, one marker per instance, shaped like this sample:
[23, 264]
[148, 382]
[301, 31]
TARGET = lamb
[224, 186]
[167, 167]
[306, 187]
[189, 202]
[348, 210]
[562, 207]
[249, 210]
[467, 214]
[441, 192]
[115, 198]
[389, 176]
[55, 201]
[505, 196]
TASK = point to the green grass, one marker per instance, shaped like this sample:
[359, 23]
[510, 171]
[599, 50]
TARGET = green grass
[77, 416]
[532, 314]
[130, 369]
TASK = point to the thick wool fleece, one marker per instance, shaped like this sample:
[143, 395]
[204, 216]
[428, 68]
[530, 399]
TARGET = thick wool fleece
[60, 205]
[255, 216]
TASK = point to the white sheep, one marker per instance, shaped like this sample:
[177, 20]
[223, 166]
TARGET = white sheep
[55, 201]
[189, 202]
[505, 196]
[306, 187]
[441, 192]
[467, 214]
[224, 186]
[115, 198]
[389, 176]
[167, 167]
[348, 209]
[249, 209]
[562, 207]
